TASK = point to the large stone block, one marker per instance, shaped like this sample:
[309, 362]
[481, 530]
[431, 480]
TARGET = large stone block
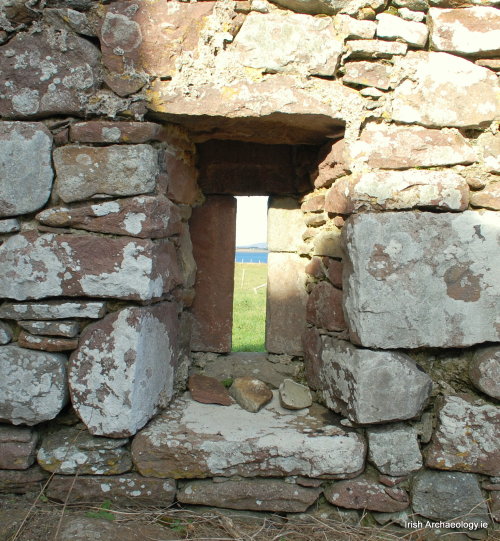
[35, 266]
[431, 91]
[466, 438]
[84, 172]
[48, 73]
[422, 279]
[32, 384]
[286, 303]
[358, 381]
[25, 167]
[190, 441]
[123, 369]
[285, 224]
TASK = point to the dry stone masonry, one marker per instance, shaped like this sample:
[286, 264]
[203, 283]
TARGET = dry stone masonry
[126, 130]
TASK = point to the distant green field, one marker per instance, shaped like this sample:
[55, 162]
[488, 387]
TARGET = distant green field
[249, 307]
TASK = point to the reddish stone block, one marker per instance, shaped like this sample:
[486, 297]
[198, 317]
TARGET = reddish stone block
[313, 204]
[324, 308]
[333, 271]
[331, 165]
[98, 131]
[312, 344]
[182, 177]
[315, 268]
[46, 343]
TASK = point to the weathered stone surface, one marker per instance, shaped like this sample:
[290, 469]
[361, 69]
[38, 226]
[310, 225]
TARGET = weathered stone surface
[313, 7]
[389, 190]
[123, 370]
[22, 481]
[349, 27]
[494, 506]
[46, 343]
[84, 172]
[286, 303]
[490, 145]
[52, 310]
[373, 74]
[208, 390]
[490, 63]
[300, 44]
[294, 396]
[17, 447]
[431, 91]
[25, 167]
[285, 224]
[35, 266]
[387, 146]
[328, 243]
[471, 31]
[250, 494]
[409, 15]
[72, 450]
[466, 438]
[358, 382]
[374, 48]
[484, 371]
[189, 441]
[68, 329]
[37, 85]
[331, 164]
[324, 307]
[5, 333]
[333, 271]
[33, 385]
[403, 290]
[10, 225]
[98, 131]
[213, 233]
[250, 393]
[364, 493]
[488, 198]
[313, 204]
[448, 495]
[143, 216]
[394, 449]
[392, 27]
[128, 489]
[182, 184]
[66, 18]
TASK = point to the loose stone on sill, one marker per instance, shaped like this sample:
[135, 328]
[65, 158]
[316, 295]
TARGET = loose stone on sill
[17, 447]
[52, 310]
[208, 390]
[251, 393]
[294, 396]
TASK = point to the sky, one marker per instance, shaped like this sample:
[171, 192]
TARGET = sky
[251, 220]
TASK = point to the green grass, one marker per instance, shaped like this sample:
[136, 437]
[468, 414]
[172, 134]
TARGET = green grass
[249, 307]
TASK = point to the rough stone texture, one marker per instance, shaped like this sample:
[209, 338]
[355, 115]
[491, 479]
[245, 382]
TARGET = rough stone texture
[300, 44]
[466, 438]
[47, 73]
[324, 307]
[488, 198]
[331, 164]
[392, 27]
[448, 495]
[17, 447]
[374, 48]
[470, 31]
[98, 131]
[35, 266]
[285, 224]
[52, 310]
[286, 303]
[373, 74]
[71, 450]
[364, 493]
[208, 390]
[409, 15]
[46, 343]
[123, 370]
[484, 371]
[334, 271]
[22, 481]
[394, 449]
[387, 146]
[349, 27]
[25, 167]
[182, 174]
[144, 217]
[431, 91]
[402, 289]
[251, 393]
[189, 441]
[10, 225]
[313, 7]
[129, 489]
[358, 382]
[186, 260]
[250, 494]
[84, 172]
[490, 145]
[68, 329]
[213, 234]
[5, 333]
[390, 190]
[294, 396]
[33, 385]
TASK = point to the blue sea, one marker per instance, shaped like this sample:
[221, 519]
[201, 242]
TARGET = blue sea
[251, 257]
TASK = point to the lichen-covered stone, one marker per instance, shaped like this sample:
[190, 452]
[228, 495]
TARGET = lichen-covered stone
[5, 333]
[403, 289]
[373, 74]
[47, 72]
[488, 197]
[52, 310]
[484, 371]
[17, 447]
[123, 369]
[84, 172]
[46, 343]
[392, 28]
[490, 145]
[67, 329]
[71, 450]
[10, 225]
[190, 441]
[374, 48]
[25, 167]
[32, 384]
[34, 266]
[466, 438]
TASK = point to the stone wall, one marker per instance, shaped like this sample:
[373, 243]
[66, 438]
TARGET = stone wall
[384, 286]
